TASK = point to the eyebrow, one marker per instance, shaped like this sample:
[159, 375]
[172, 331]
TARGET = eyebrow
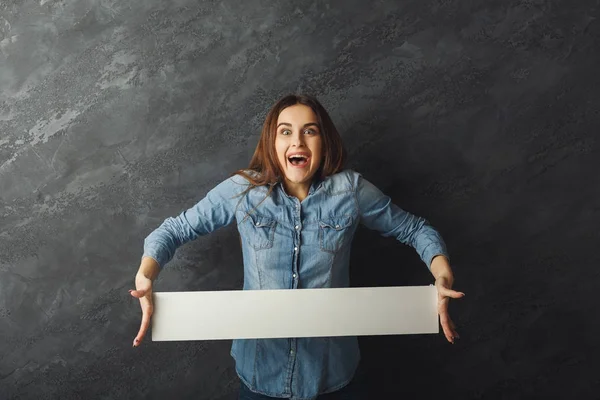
[305, 125]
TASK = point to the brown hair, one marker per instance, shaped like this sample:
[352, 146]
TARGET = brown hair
[264, 169]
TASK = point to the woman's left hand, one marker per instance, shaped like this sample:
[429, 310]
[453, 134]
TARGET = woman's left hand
[445, 292]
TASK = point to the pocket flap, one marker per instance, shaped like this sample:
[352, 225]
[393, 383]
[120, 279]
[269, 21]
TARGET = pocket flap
[261, 221]
[337, 223]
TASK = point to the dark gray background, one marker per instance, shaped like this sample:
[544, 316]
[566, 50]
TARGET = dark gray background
[480, 116]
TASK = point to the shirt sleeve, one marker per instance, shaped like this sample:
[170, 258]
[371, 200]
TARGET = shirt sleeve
[377, 212]
[215, 210]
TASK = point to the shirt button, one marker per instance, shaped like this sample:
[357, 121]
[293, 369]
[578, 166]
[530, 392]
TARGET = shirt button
[295, 249]
[291, 351]
[337, 227]
[294, 275]
[297, 227]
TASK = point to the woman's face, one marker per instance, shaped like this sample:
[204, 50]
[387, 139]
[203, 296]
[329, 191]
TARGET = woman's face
[298, 144]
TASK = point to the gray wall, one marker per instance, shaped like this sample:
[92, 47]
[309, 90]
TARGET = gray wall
[480, 116]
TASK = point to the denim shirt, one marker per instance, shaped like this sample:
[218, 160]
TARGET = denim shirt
[288, 244]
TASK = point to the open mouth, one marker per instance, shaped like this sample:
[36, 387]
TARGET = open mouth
[299, 160]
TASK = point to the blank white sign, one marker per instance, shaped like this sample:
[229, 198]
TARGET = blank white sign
[254, 314]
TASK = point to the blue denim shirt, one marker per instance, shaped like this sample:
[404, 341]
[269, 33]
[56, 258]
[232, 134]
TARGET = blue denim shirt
[288, 244]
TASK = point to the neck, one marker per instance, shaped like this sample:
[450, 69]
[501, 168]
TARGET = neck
[299, 190]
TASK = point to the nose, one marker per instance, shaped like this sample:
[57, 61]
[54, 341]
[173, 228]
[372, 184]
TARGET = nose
[297, 139]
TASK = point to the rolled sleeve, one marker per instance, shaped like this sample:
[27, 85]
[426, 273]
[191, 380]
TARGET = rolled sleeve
[377, 212]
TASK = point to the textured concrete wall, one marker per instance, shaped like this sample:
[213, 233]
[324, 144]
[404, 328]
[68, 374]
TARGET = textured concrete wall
[481, 116]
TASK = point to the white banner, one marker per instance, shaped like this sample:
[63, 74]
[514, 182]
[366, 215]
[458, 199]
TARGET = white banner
[253, 314]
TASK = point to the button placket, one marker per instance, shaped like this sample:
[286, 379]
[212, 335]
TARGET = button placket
[296, 244]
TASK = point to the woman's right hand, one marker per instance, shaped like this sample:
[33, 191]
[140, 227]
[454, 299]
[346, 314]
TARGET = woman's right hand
[143, 286]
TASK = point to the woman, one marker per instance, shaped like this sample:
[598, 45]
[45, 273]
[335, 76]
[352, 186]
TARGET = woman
[296, 210]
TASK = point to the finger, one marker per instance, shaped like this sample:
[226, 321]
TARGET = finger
[146, 314]
[448, 328]
[444, 317]
[443, 291]
[452, 326]
[450, 334]
[138, 293]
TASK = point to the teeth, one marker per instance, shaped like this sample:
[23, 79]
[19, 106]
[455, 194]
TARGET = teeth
[298, 156]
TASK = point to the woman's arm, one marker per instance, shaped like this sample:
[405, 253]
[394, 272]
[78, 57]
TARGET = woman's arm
[378, 212]
[215, 210]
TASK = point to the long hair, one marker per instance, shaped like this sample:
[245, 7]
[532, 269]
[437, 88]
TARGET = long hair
[264, 168]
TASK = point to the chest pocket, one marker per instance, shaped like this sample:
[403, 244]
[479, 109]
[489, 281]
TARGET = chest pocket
[259, 231]
[333, 232]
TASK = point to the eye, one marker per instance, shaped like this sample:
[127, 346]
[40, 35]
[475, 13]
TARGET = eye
[285, 132]
[310, 132]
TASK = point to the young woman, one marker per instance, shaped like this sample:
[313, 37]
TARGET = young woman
[296, 209]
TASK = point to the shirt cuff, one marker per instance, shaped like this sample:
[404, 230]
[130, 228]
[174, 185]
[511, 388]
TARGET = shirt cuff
[155, 254]
[431, 251]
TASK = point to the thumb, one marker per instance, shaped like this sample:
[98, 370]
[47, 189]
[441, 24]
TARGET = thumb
[138, 293]
[443, 291]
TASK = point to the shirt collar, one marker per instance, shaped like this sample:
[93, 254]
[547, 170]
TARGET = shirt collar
[314, 186]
